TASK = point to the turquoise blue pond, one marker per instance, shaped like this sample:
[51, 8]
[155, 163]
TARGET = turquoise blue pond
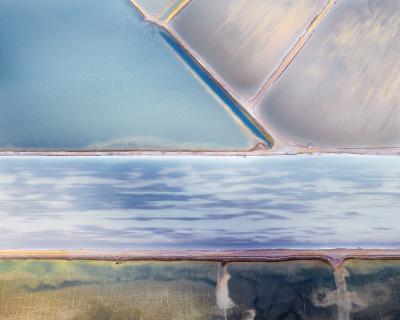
[94, 75]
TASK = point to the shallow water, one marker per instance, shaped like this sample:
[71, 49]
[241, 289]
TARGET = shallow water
[93, 74]
[90, 290]
[199, 202]
[242, 41]
[342, 89]
[151, 290]
[154, 7]
[161, 290]
[374, 287]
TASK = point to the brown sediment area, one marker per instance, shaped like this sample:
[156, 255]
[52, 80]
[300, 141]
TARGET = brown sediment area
[334, 257]
[144, 290]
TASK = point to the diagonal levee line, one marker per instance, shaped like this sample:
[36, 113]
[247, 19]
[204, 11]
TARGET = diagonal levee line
[246, 106]
[166, 8]
[278, 146]
[140, 10]
[156, 18]
[177, 9]
[293, 52]
[164, 25]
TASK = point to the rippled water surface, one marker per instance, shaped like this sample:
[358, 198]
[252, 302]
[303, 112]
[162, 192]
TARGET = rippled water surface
[199, 202]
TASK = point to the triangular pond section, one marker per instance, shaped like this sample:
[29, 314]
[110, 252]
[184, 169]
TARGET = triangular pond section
[94, 75]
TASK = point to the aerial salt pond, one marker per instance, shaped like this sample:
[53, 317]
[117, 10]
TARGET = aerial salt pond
[327, 79]
[199, 202]
[342, 89]
[93, 290]
[198, 237]
[243, 42]
[93, 75]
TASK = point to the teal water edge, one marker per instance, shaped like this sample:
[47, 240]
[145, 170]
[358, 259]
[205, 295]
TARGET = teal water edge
[199, 202]
[80, 75]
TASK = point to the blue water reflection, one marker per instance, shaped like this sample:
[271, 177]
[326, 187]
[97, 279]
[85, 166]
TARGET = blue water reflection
[93, 74]
[199, 202]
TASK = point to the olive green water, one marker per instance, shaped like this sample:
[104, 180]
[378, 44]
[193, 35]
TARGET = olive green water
[58, 289]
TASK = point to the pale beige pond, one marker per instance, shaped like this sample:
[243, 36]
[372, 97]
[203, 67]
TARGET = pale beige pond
[343, 88]
[243, 41]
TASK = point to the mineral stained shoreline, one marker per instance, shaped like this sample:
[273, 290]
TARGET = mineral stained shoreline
[334, 257]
